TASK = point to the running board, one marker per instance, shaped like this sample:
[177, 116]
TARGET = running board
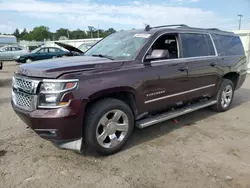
[172, 114]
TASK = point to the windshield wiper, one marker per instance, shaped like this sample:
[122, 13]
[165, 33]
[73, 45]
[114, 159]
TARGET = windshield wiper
[101, 55]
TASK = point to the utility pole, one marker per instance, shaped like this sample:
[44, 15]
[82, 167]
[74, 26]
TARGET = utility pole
[98, 31]
[68, 33]
[240, 15]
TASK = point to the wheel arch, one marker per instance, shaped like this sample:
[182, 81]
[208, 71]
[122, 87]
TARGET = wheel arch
[125, 94]
[233, 76]
[28, 57]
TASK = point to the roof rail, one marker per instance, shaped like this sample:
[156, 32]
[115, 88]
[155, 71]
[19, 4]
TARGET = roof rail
[147, 28]
[214, 29]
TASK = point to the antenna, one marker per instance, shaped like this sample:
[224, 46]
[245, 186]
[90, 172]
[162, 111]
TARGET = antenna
[147, 27]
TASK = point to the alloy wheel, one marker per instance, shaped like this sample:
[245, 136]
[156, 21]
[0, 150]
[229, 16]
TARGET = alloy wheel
[226, 96]
[112, 128]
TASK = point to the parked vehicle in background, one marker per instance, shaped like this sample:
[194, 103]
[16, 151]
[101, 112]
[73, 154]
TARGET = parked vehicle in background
[7, 40]
[43, 53]
[73, 50]
[8, 53]
[130, 79]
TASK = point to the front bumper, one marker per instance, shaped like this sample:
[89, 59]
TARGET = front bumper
[62, 126]
[18, 60]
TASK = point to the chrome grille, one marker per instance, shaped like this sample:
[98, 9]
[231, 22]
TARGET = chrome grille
[23, 100]
[24, 84]
[24, 92]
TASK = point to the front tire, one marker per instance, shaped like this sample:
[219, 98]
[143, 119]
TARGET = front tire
[224, 96]
[28, 60]
[108, 125]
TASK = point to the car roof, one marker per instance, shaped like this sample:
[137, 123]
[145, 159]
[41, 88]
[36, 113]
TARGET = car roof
[180, 28]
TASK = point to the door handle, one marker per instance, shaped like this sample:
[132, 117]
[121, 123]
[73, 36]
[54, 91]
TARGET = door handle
[213, 64]
[182, 69]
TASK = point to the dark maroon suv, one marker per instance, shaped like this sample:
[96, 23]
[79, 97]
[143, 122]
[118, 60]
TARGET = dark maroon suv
[130, 79]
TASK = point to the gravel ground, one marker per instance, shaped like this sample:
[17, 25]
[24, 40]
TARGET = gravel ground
[203, 149]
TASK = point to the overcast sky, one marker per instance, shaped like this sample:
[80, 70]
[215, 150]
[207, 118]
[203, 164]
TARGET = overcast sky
[121, 14]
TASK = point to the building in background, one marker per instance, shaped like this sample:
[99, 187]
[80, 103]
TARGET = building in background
[8, 40]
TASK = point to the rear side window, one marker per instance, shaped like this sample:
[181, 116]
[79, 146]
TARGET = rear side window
[196, 45]
[228, 45]
[52, 50]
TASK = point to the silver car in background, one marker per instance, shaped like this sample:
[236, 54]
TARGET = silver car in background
[8, 53]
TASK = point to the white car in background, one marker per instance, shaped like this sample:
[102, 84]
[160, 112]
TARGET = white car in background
[8, 53]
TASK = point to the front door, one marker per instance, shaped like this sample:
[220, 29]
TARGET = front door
[166, 76]
[164, 89]
[5, 54]
[42, 54]
[203, 74]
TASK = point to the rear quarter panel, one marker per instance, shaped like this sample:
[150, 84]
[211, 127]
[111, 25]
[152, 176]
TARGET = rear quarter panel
[236, 64]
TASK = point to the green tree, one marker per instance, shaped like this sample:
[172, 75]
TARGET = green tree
[62, 32]
[110, 31]
[23, 33]
[78, 34]
[40, 33]
[27, 37]
[17, 33]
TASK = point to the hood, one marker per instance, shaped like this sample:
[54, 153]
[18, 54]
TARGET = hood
[69, 47]
[53, 68]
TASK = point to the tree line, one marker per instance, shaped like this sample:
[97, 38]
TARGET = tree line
[42, 33]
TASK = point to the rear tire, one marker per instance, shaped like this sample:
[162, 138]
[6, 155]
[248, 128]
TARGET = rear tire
[224, 96]
[108, 125]
[28, 60]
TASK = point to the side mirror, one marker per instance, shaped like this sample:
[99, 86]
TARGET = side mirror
[150, 58]
[157, 55]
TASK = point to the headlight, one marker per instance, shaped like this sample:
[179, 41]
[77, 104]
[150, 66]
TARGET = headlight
[17, 57]
[52, 93]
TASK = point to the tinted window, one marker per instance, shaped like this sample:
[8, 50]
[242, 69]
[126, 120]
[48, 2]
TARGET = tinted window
[43, 50]
[52, 50]
[196, 45]
[228, 45]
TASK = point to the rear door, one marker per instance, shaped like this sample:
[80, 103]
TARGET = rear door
[201, 56]
[53, 52]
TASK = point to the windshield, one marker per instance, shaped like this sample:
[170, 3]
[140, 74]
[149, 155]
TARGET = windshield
[84, 47]
[35, 50]
[120, 46]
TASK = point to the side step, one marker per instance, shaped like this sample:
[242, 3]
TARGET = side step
[172, 114]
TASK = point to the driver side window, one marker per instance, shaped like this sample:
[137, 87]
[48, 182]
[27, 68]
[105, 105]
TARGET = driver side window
[165, 47]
